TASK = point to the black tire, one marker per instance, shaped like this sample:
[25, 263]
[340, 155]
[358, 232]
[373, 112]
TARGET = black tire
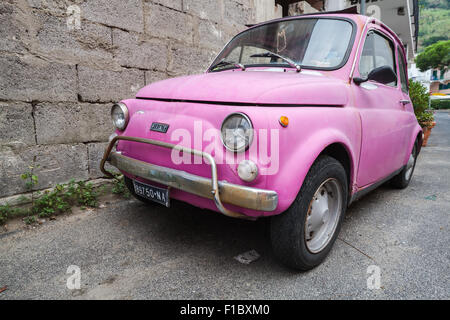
[401, 181]
[287, 230]
[129, 184]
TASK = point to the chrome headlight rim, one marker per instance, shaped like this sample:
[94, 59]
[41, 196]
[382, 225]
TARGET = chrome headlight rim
[247, 146]
[123, 107]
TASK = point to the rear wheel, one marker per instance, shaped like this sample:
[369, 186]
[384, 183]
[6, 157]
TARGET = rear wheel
[130, 186]
[303, 236]
[401, 181]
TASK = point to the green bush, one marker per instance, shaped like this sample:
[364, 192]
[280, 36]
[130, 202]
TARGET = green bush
[63, 197]
[7, 212]
[420, 100]
[48, 203]
[419, 96]
[120, 187]
[440, 104]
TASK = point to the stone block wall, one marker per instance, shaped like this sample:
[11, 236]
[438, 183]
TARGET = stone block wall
[63, 63]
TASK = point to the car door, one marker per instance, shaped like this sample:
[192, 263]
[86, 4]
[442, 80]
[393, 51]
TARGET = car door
[383, 137]
[408, 116]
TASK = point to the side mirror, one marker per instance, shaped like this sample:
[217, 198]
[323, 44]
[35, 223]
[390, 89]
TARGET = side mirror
[383, 75]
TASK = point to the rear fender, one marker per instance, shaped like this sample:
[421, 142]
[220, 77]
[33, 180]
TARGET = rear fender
[417, 135]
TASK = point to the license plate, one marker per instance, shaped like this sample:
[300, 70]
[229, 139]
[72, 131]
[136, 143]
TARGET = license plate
[155, 194]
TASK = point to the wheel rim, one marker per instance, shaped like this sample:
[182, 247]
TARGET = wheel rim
[410, 164]
[323, 215]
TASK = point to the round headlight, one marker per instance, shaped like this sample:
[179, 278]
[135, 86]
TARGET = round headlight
[119, 115]
[237, 132]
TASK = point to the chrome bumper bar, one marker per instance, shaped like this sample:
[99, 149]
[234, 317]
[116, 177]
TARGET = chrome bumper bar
[219, 191]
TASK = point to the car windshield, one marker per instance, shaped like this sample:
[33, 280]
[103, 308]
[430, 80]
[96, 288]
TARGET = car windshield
[317, 43]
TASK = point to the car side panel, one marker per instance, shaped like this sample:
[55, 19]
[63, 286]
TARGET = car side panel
[310, 132]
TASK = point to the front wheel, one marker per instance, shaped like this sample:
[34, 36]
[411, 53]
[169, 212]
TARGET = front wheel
[303, 236]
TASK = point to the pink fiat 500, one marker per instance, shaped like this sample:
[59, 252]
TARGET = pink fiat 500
[295, 119]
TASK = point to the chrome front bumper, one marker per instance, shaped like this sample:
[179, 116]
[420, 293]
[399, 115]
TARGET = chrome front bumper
[219, 191]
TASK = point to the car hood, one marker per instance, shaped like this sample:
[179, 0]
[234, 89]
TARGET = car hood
[252, 87]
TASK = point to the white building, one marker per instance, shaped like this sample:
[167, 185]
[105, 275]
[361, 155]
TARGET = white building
[417, 75]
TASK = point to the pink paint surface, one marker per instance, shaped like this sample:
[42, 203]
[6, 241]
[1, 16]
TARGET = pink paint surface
[325, 108]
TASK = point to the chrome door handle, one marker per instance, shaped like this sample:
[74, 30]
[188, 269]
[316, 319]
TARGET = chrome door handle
[405, 102]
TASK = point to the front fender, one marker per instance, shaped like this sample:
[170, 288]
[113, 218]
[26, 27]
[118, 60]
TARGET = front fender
[344, 129]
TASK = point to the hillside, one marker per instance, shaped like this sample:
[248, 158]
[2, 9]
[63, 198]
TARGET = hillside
[434, 22]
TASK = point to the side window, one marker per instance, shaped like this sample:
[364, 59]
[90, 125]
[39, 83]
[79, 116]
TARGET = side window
[378, 51]
[402, 67]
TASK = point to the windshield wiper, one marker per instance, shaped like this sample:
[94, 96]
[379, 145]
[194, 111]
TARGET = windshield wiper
[228, 63]
[270, 54]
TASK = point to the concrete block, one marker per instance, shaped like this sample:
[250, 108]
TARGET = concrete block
[108, 86]
[58, 164]
[91, 44]
[28, 78]
[154, 76]
[211, 10]
[164, 22]
[174, 4]
[61, 163]
[11, 29]
[237, 13]
[126, 15]
[211, 35]
[72, 122]
[16, 124]
[189, 60]
[134, 50]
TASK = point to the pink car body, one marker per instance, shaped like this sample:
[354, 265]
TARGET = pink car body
[370, 127]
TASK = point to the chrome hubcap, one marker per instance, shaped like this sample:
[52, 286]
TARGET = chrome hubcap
[323, 215]
[410, 164]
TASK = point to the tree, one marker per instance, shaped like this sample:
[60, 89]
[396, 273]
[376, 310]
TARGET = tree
[436, 56]
[431, 40]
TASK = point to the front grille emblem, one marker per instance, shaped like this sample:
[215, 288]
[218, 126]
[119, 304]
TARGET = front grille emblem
[159, 127]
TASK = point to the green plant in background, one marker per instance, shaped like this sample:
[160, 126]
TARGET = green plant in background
[30, 179]
[7, 212]
[440, 104]
[63, 197]
[434, 22]
[436, 56]
[52, 202]
[60, 199]
[425, 117]
[30, 219]
[420, 100]
[120, 187]
[85, 195]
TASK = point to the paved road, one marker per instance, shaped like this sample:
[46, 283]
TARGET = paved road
[129, 251]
